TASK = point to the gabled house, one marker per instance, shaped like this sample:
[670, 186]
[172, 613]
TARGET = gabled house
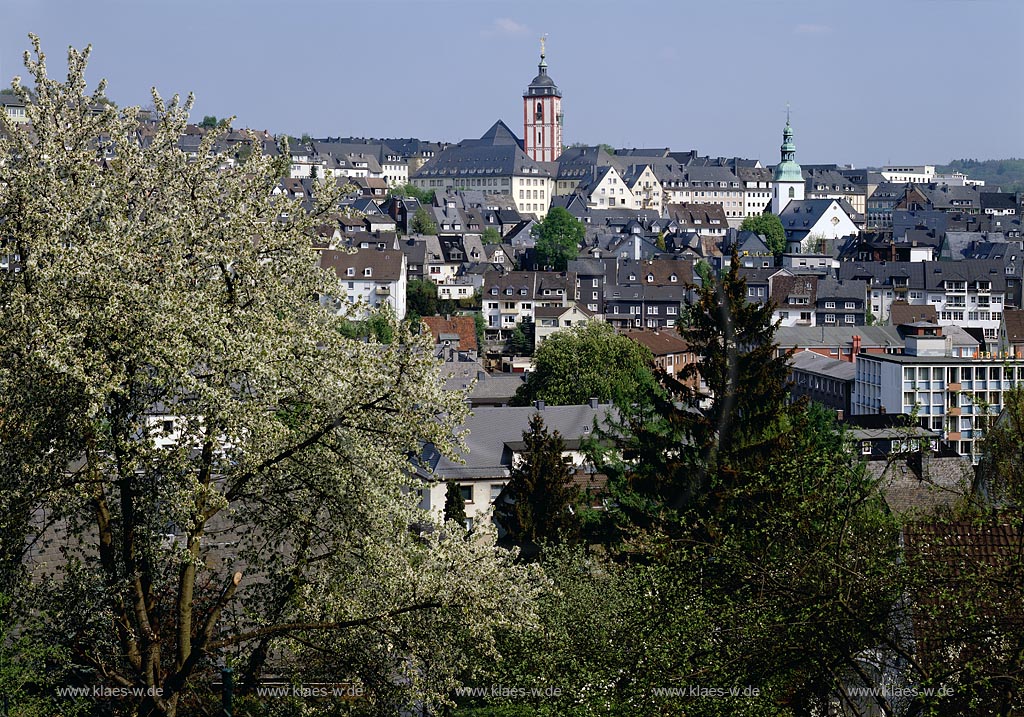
[511, 298]
[494, 443]
[367, 279]
[669, 351]
[809, 222]
[1011, 332]
[795, 299]
[703, 219]
[549, 319]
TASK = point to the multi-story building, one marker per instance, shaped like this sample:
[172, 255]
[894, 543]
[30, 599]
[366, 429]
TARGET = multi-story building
[511, 298]
[495, 164]
[643, 306]
[881, 203]
[915, 174]
[970, 293]
[368, 278]
[955, 395]
[756, 183]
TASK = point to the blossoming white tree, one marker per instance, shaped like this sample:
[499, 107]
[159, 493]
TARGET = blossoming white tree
[198, 466]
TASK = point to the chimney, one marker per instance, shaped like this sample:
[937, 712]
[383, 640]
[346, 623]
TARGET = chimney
[593, 402]
[481, 375]
[856, 347]
[539, 405]
[840, 415]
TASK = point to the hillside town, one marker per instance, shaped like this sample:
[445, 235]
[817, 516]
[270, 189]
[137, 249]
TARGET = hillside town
[891, 298]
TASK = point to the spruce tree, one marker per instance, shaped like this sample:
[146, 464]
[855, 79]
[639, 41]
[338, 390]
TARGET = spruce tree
[538, 504]
[454, 505]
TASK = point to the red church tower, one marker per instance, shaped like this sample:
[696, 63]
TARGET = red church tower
[542, 116]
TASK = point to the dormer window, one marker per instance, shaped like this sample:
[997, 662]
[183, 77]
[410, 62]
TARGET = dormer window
[508, 291]
[650, 278]
[494, 291]
[367, 271]
[350, 272]
[673, 278]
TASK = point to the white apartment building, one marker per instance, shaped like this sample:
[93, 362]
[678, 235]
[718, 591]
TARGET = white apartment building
[369, 278]
[956, 395]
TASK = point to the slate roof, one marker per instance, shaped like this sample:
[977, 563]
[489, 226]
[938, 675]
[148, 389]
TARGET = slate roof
[998, 200]
[785, 288]
[661, 272]
[802, 214]
[922, 483]
[816, 363]
[492, 429]
[827, 336]
[830, 288]
[497, 153]
[385, 264]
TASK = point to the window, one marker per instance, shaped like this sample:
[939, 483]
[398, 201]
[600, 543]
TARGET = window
[830, 318]
[467, 493]
[850, 318]
[830, 304]
[634, 310]
[350, 271]
[496, 489]
[850, 305]
[865, 448]
[367, 271]
[792, 192]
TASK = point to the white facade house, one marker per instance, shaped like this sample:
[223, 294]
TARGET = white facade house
[514, 297]
[808, 220]
[607, 190]
[645, 188]
[367, 279]
[969, 293]
[495, 445]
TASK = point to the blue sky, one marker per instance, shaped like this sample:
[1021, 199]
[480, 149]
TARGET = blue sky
[869, 81]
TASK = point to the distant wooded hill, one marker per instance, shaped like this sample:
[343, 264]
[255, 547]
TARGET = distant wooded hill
[1006, 174]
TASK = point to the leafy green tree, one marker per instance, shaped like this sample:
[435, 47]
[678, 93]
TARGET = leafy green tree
[209, 122]
[588, 361]
[230, 472]
[425, 196]
[421, 297]
[538, 504]
[454, 504]
[1001, 472]
[558, 236]
[423, 222]
[491, 236]
[480, 325]
[520, 340]
[770, 227]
